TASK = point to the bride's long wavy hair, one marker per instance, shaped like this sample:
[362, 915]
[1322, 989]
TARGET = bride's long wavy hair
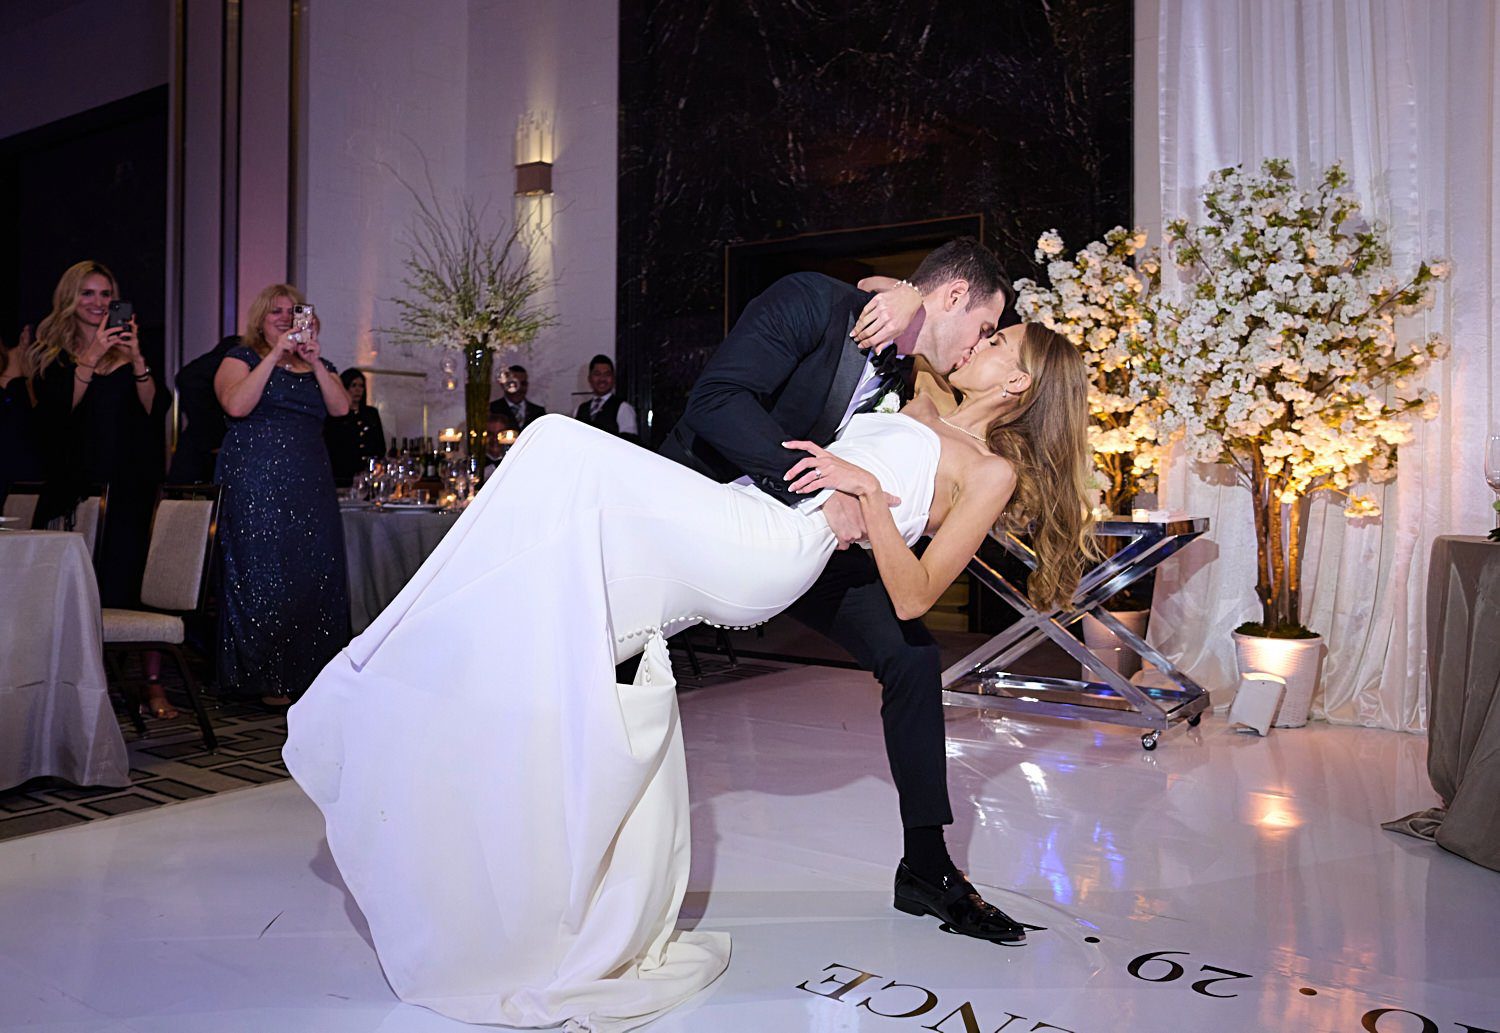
[1045, 437]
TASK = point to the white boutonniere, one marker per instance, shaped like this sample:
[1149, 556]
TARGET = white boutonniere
[889, 402]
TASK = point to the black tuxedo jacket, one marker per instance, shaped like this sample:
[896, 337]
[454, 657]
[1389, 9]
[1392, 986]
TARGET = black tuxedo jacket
[193, 461]
[786, 371]
[501, 408]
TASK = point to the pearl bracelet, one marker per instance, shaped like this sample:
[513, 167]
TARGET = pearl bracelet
[908, 283]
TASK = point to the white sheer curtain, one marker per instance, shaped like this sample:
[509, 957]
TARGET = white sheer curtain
[1407, 94]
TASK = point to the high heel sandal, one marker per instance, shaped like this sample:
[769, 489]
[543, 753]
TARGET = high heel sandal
[158, 706]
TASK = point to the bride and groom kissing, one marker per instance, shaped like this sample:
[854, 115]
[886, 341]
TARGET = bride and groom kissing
[512, 818]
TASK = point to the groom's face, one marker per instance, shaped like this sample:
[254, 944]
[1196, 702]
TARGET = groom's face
[958, 326]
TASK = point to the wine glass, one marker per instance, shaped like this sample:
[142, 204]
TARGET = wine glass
[1492, 470]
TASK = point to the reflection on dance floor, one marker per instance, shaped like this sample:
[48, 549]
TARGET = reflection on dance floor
[1222, 882]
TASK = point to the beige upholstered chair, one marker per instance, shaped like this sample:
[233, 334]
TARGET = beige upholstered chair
[175, 583]
[20, 503]
[88, 517]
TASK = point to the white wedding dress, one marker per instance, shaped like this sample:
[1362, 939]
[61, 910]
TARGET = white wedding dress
[512, 822]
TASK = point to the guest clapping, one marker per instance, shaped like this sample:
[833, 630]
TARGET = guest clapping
[284, 610]
[102, 410]
[357, 435]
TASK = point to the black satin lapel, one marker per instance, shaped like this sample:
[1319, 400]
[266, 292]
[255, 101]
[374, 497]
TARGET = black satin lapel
[845, 380]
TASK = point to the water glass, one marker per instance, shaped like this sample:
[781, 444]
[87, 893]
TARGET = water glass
[1492, 470]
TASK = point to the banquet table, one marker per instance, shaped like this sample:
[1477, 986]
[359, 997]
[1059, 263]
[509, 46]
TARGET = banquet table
[55, 714]
[1463, 703]
[384, 548]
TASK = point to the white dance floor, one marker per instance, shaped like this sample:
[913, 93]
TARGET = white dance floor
[1260, 863]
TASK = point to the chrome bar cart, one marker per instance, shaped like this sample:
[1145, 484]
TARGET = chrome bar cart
[982, 680]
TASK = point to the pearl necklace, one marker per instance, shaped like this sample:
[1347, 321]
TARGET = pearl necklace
[963, 430]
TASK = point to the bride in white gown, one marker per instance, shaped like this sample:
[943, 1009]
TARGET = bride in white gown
[514, 823]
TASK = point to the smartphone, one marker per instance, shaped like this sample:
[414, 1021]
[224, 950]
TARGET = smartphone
[302, 320]
[120, 314]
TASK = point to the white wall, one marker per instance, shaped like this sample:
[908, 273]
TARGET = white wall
[389, 81]
[386, 86]
[60, 58]
[561, 58]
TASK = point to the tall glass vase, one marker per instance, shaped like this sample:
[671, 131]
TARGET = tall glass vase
[480, 362]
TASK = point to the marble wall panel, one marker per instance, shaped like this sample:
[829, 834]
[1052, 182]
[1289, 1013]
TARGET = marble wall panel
[765, 119]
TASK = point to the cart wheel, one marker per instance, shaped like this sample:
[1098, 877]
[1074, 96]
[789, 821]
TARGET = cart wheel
[1195, 720]
[1148, 741]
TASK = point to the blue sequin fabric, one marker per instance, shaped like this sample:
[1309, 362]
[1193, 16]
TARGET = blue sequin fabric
[284, 602]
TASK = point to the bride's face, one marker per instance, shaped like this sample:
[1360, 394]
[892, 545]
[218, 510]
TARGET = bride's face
[993, 364]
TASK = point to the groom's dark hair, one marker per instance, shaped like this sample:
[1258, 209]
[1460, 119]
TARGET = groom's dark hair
[965, 259]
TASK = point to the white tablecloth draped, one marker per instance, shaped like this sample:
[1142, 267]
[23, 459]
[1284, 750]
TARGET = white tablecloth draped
[384, 549]
[55, 714]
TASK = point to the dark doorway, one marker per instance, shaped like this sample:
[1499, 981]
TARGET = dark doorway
[847, 255]
[93, 185]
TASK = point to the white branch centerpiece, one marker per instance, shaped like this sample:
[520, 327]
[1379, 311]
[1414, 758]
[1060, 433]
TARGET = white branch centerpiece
[1100, 300]
[472, 290]
[1279, 355]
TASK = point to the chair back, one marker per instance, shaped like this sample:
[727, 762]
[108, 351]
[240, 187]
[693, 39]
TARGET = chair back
[88, 518]
[182, 542]
[21, 501]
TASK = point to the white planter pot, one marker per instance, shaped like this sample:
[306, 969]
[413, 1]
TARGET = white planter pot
[1299, 661]
[1108, 645]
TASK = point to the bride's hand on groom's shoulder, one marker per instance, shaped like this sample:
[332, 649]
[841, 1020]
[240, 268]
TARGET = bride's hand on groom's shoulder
[888, 314]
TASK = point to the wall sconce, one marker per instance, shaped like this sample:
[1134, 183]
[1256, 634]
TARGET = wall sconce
[534, 150]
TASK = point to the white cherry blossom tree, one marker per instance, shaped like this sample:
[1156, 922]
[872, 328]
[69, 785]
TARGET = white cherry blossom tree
[1278, 353]
[1100, 300]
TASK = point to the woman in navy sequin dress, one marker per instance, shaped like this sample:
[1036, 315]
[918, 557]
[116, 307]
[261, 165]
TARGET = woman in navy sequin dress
[284, 609]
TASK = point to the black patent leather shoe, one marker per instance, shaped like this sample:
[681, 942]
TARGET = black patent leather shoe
[955, 902]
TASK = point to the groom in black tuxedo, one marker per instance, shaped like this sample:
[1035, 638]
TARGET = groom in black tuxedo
[790, 370]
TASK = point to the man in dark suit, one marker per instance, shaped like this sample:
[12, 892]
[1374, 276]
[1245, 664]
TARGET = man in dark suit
[789, 370]
[512, 409]
[198, 445]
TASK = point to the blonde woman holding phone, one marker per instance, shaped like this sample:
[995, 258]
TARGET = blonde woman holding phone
[284, 608]
[102, 409]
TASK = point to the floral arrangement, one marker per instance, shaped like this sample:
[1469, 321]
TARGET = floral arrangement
[467, 287]
[1279, 355]
[1100, 300]
[471, 290]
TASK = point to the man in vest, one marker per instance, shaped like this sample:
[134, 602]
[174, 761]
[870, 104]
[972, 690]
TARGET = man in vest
[606, 410]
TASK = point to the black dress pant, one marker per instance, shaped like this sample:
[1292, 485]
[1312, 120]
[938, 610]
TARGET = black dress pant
[849, 604]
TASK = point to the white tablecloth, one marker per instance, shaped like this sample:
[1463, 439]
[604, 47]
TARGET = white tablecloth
[55, 714]
[384, 549]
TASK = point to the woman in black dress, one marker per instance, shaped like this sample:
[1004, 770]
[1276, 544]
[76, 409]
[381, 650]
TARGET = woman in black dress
[101, 411]
[355, 436]
[284, 607]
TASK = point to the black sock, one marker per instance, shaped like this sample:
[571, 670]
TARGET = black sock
[926, 853]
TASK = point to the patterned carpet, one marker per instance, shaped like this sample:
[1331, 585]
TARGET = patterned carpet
[169, 763]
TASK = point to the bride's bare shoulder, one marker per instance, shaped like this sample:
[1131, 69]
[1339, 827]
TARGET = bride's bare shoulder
[988, 474]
